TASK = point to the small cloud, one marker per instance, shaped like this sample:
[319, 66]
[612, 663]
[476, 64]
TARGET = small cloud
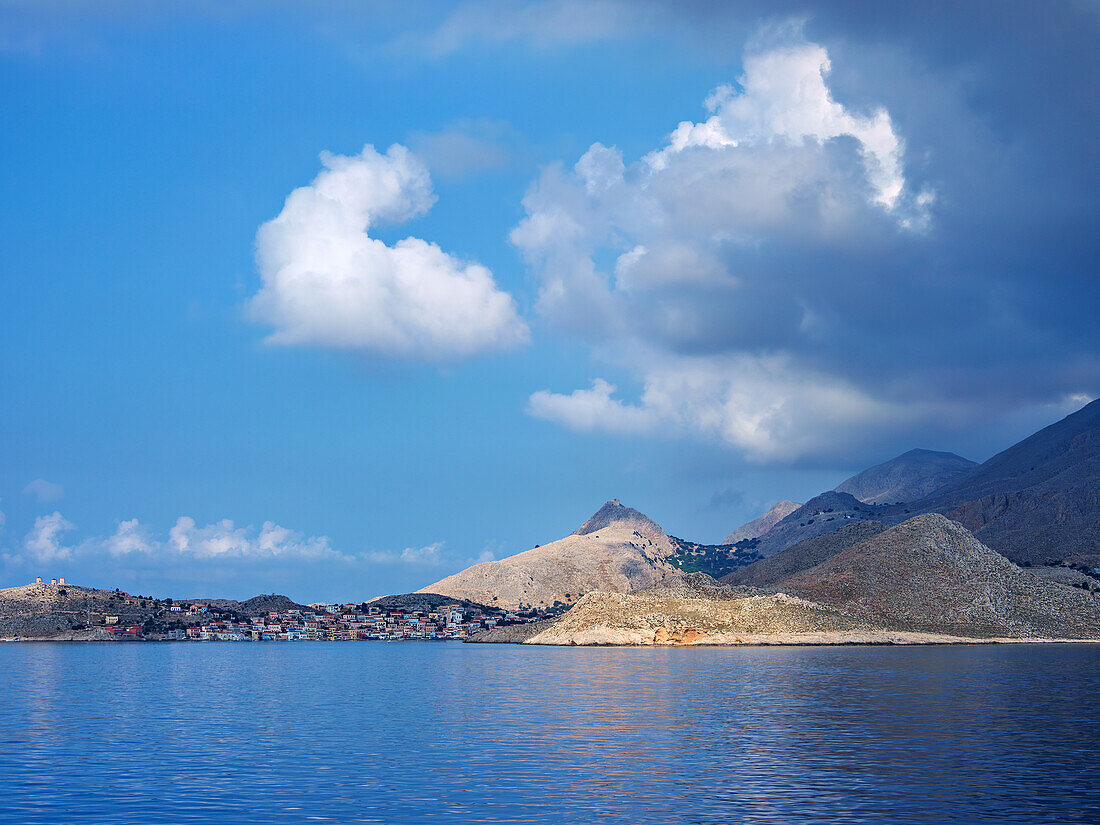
[429, 554]
[468, 148]
[591, 409]
[131, 537]
[43, 543]
[724, 500]
[45, 491]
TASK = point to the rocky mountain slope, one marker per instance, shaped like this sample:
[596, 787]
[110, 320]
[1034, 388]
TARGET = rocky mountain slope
[821, 514]
[759, 526]
[802, 556]
[1038, 502]
[930, 574]
[910, 476]
[617, 550]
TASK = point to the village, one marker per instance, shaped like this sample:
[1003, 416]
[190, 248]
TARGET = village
[321, 622]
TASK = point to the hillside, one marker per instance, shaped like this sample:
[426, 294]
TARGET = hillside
[759, 526]
[73, 612]
[1039, 500]
[697, 610]
[802, 556]
[618, 550]
[910, 476]
[930, 574]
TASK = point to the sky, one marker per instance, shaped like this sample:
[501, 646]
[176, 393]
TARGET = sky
[334, 299]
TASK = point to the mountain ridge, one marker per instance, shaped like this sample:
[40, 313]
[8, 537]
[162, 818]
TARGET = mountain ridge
[912, 475]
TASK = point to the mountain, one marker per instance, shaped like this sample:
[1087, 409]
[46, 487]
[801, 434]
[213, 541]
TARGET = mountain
[931, 574]
[802, 556]
[910, 476]
[1039, 500]
[821, 514]
[618, 549]
[759, 526]
[1037, 503]
[925, 580]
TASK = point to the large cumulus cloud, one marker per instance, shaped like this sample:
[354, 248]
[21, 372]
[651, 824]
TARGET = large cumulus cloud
[326, 282]
[777, 276]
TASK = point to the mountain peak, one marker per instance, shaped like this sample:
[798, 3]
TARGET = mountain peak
[907, 477]
[614, 513]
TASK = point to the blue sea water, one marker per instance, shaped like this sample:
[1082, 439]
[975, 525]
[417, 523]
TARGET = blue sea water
[451, 733]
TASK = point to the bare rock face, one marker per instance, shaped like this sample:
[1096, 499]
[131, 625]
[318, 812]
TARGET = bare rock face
[931, 574]
[910, 476]
[759, 526]
[617, 550]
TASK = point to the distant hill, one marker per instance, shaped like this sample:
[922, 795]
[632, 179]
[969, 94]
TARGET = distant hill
[70, 611]
[930, 574]
[618, 549]
[255, 606]
[821, 514]
[802, 556]
[425, 602]
[910, 476]
[759, 526]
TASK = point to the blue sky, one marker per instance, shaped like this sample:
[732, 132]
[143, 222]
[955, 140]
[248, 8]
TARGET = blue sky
[902, 254]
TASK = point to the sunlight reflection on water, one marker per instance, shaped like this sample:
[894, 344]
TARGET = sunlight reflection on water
[422, 732]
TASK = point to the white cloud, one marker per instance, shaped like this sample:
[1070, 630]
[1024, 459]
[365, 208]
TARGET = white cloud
[326, 282]
[131, 537]
[44, 491]
[43, 543]
[699, 267]
[593, 409]
[224, 539]
[766, 407]
[429, 554]
[784, 98]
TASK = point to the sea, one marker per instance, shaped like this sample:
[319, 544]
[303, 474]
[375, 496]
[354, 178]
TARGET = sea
[423, 732]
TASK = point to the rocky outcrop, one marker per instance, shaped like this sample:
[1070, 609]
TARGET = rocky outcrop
[618, 550]
[911, 476]
[759, 526]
